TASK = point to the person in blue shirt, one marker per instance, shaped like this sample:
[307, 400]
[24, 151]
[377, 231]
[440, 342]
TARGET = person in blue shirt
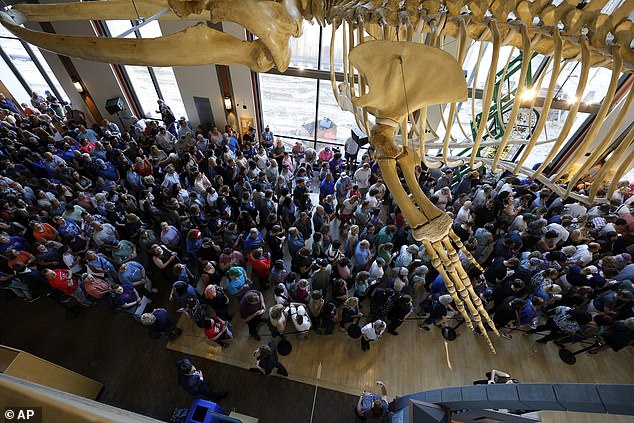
[16, 243]
[327, 186]
[267, 138]
[528, 315]
[66, 227]
[253, 241]
[362, 256]
[182, 292]
[133, 180]
[100, 266]
[107, 170]
[6, 103]
[231, 142]
[125, 297]
[295, 241]
[236, 281]
[373, 405]
[247, 204]
[67, 152]
[133, 273]
[342, 186]
[87, 134]
[112, 127]
[159, 323]
[192, 381]
[193, 244]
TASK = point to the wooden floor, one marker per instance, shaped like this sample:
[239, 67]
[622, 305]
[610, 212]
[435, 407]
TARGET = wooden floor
[415, 361]
[139, 374]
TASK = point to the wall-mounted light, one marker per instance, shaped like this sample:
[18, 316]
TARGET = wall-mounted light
[78, 86]
[228, 104]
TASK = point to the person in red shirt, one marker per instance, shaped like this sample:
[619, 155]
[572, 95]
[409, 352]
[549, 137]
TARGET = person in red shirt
[219, 331]
[63, 280]
[261, 265]
[142, 166]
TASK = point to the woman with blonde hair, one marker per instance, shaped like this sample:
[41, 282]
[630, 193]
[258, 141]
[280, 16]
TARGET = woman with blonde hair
[350, 313]
[278, 319]
[351, 241]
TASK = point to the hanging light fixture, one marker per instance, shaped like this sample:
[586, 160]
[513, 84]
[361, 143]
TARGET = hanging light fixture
[228, 104]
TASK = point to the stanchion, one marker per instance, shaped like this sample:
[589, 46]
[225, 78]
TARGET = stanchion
[570, 358]
[449, 333]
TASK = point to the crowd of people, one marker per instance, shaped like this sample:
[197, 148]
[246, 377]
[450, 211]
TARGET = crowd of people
[296, 238]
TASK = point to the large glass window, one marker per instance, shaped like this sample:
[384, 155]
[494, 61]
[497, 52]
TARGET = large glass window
[288, 105]
[325, 48]
[33, 70]
[150, 83]
[305, 107]
[141, 81]
[329, 113]
[305, 49]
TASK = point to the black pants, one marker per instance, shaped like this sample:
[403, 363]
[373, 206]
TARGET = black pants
[329, 326]
[365, 344]
[550, 325]
[210, 394]
[316, 321]
[253, 325]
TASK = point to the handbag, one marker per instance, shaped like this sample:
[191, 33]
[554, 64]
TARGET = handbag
[354, 330]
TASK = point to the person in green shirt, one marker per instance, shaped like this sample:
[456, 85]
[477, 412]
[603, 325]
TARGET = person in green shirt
[386, 234]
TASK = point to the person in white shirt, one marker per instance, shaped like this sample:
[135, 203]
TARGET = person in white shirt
[376, 269]
[362, 178]
[300, 319]
[464, 214]
[371, 332]
[380, 187]
[261, 158]
[562, 233]
[71, 261]
[351, 150]
[372, 198]
[171, 177]
[211, 197]
[584, 254]
[444, 198]
[575, 209]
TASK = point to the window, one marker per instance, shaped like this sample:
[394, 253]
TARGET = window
[325, 48]
[328, 110]
[288, 105]
[143, 86]
[300, 106]
[305, 49]
[29, 67]
[149, 83]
